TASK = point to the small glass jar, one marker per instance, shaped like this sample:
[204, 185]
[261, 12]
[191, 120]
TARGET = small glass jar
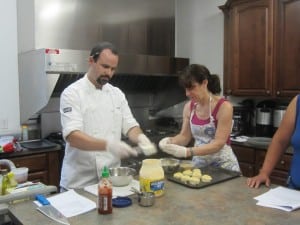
[151, 177]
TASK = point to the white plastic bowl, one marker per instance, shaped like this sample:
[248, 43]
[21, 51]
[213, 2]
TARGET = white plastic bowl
[21, 174]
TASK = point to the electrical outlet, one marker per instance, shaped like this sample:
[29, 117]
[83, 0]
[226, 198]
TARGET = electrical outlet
[3, 124]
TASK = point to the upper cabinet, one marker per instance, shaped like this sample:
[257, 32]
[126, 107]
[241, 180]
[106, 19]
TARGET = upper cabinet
[262, 48]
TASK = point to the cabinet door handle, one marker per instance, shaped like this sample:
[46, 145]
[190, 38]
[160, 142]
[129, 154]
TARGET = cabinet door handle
[268, 92]
[278, 93]
[282, 162]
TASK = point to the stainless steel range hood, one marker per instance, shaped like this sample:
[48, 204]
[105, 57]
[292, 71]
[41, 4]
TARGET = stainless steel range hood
[44, 73]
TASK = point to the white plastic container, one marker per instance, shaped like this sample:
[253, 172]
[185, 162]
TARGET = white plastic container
[21, 174]
[152, 177]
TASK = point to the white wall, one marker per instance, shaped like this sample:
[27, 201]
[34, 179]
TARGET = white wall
[199, 33]
[9, 86]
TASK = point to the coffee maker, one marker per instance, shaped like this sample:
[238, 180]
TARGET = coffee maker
[242, 120]
[264, 119]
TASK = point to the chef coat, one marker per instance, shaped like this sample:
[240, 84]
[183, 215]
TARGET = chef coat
[101, 113]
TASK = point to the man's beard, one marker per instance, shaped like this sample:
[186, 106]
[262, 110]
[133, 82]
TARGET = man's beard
[103, 79]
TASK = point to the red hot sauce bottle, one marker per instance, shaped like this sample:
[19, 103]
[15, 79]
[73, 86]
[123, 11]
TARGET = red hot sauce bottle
[105, 193]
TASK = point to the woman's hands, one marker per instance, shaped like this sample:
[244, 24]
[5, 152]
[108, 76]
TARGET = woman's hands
[254, 182]
[172, 149]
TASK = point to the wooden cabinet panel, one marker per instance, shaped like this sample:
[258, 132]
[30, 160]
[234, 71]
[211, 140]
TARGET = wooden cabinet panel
[44, 167]
[41, 176]
[248, 169]
[251, 44]
[287, 23]
[36, 162]
[246, 159]
[279, 177]
[244, 154]
[54, 168]
[261, 47]
[283, 164]
[251, 160]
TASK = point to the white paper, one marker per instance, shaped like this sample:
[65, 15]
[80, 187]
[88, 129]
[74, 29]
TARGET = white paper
[281, 198]
[117, 191]
[70, 203]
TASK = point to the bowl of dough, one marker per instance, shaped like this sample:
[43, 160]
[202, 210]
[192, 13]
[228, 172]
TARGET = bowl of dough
[121, 176]
[170, 165]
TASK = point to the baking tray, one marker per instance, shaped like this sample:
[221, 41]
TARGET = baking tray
[218, 175]
[38, 144]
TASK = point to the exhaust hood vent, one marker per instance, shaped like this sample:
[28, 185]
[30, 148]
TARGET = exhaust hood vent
[44, 74]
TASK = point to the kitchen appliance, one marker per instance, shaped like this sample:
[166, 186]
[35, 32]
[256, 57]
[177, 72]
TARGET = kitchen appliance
[278, 114]
[45, 73]
[242, 120]
[264, 126]
[50, 211]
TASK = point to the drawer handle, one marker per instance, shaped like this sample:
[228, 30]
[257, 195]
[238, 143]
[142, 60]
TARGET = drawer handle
[282, 162]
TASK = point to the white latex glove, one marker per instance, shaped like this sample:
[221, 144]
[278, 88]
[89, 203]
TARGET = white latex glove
[146, 145]
[120, 149]
[175, 150]
[163, 142]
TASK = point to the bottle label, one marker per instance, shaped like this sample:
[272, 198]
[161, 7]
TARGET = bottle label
[105, 203]
[150, 185]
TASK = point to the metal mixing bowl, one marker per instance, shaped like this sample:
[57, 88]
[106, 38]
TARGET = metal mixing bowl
[121, 176]
[170, 165]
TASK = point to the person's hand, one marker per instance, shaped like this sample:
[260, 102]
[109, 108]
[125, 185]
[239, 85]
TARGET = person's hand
[120, 149]
[146, 145]
[163, 142]
[175, 150]
[254, 182]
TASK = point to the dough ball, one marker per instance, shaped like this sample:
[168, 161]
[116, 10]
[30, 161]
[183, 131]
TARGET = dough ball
[206, 178]
[194, 180]
[196, 171]
[177, 175]
[188, 172]
[198, 175]
[185, 178]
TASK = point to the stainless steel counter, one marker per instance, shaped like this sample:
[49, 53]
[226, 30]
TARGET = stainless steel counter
[228, 203]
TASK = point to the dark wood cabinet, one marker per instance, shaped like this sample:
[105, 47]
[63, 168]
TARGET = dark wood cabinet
[261, 47]
[287, 48]
[246, 158]
[44, 166]
[280, 173]
[251, 160]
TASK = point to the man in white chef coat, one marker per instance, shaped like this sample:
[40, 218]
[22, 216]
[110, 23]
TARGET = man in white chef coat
[94, 115]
